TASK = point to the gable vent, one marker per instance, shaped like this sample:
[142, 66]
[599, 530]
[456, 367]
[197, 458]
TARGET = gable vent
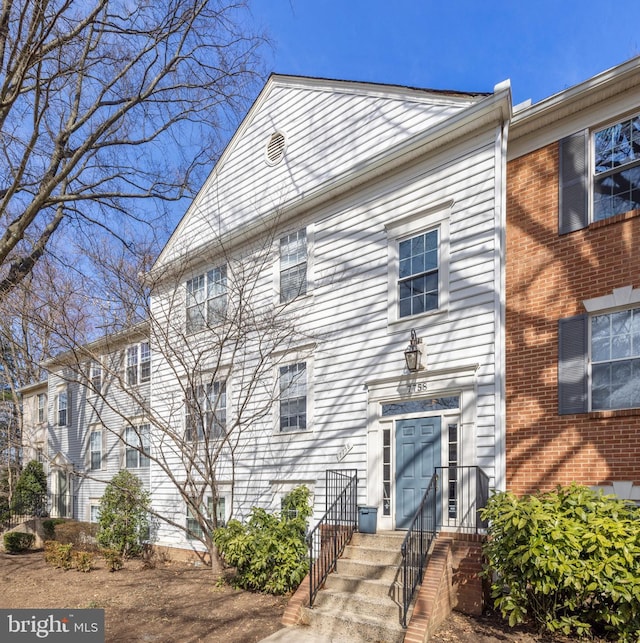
[275, 148]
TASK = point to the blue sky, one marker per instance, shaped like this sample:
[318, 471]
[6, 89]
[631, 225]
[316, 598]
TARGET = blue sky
[543, 46]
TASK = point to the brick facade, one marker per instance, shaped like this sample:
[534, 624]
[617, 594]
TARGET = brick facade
[548, 277]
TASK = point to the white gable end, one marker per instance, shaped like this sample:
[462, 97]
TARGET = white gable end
[330, 130]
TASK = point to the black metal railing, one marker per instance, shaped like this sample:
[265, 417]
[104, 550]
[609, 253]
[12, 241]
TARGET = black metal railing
[453, 499]
[330, 536]
[22, 507]
[26, 507]
[464, 492]
[416, 544]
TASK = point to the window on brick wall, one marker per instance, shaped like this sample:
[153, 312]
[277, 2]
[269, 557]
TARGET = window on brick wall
[599, 361]
[599, 174]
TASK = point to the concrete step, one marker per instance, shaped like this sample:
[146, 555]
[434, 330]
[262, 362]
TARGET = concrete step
[346, 627]
[373, 555]
[383, 608]
[364, 570]
[382, 589]
[381, 540]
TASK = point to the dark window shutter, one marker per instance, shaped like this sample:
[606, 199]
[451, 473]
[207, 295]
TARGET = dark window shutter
[573, 195]
[572, 365]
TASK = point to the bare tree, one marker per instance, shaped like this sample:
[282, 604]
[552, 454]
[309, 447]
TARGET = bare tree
[105, 105]
[38, 318]
[215, 352]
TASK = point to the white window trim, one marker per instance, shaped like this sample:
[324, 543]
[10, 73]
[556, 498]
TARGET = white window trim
[203, 376]
[41, 396]
[294, 358]
[204, 273]
[103, 442]
[62, 389]
[407, 227]
[134, 423]
[591, 160]
[138, 347]
[624, 298]
[310, 235]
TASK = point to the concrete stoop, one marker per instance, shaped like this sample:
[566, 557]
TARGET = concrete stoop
[360, 601]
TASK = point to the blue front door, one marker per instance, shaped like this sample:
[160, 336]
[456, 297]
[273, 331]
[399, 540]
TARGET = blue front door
[417, 456]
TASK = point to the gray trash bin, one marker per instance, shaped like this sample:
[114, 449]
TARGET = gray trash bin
[367, 520]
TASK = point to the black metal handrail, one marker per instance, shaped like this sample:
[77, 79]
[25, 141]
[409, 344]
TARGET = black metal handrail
[416, 544]
[330, 536]
[453, 499]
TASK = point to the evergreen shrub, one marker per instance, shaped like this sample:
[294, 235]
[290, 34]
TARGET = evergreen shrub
[569, 559]
[269, 552]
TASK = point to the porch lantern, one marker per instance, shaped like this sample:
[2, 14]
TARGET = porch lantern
[412, 353]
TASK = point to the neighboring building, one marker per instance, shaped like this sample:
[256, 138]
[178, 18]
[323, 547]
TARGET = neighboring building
[35, 419]
[76, 421]
[573, 288]
[356, 213]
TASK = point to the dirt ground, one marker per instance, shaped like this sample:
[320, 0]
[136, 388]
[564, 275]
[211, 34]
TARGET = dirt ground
[172, 602]
[175, 602]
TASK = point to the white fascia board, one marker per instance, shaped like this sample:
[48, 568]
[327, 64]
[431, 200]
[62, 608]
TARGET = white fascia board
[486, 113]
[595, 100]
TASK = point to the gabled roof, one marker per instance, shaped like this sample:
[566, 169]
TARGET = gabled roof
[331, 129]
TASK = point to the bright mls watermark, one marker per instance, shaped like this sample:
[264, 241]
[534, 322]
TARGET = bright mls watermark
[53, 626]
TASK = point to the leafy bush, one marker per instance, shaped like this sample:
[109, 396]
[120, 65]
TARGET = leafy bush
[569, 559]
[30, 496]
[82, 560]
[124, 510]
[18, 541]
[49, 527]
[59, 555]
[269, 552]
[113, 558]
[79, 534]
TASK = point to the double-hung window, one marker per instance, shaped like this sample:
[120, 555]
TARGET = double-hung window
[293, 397]
[599, 174]
[63, 407]
[138, 366]
[615, 360]
[194, 530]
[616, 184]
[95, 450]
[293, 265]
[95, 375]
[599, 360]
[206, 411]
[418, 274]
[136, 446]
[206, 301]
[42, 407]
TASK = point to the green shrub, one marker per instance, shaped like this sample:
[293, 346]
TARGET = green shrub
[124, 511]
[113, 558]
[269, 552]
[59, 555]
[82, 560]
[18, 541]
[30, 496]
[80, 534]
[49, 527]
[568, 559]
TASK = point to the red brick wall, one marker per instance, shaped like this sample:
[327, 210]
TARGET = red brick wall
[548, 277]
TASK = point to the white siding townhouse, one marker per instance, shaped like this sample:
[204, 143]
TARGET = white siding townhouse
[344, 223]
[343, 220]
